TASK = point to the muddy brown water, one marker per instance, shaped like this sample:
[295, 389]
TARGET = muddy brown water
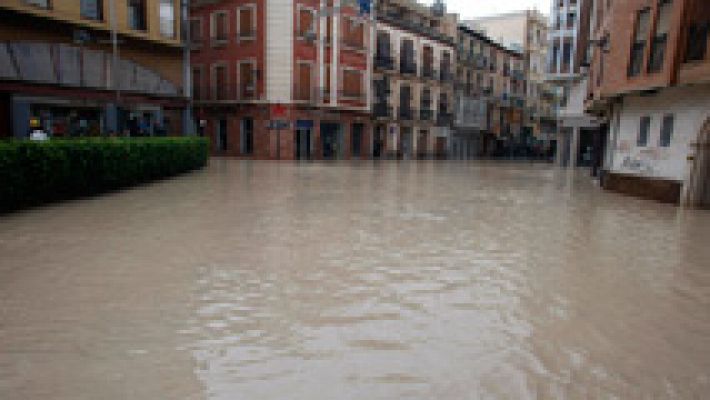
[412, 280]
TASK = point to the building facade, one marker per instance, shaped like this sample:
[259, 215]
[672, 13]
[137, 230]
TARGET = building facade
[413, 82]
[580, 134]
[650, 77]
[527, 32]
[59, 68]
[282, 79]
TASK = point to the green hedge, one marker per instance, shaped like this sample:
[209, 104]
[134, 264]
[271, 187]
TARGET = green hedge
[33, 173]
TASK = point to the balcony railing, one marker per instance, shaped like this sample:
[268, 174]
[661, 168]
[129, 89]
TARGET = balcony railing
[446, 76]
[406, 113]
[384, 62]
[408, 67]
[428, 72]
[444, 118]
[426, 115]
[697, 47]
[382, 110]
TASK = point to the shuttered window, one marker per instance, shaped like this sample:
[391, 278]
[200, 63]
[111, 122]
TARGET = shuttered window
[306, 21]
[247, 28]
[352, 83]
[219, 27]
[196, 83]
[303, 91]
[247, 83]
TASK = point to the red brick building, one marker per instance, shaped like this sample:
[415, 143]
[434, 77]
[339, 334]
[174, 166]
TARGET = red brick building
[282, 79]
[650, 77]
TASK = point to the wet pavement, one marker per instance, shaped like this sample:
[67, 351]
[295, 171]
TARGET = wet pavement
[362, 280]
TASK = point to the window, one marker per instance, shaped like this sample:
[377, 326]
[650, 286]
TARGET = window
[306, 23]
[644, 129]
[247, 145]
[352, 83]
[643, 22]
[197, 83]
[219, 29]
[40, 3]
[353, 33]
[137, 15]
[246, 20]
[304, 88]
[92, 9]
[219, 83]
[697, 42]
[167, 18]
[658, 46]
[667, 130]
[247, 81]
[196, 31]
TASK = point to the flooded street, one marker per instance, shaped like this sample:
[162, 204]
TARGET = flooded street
[413, 280]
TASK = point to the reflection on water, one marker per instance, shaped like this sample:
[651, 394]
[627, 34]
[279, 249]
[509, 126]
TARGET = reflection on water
[350, 281]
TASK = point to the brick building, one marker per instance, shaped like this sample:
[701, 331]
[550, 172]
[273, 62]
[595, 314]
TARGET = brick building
[58, 66]
[650, 76]
[282, 79]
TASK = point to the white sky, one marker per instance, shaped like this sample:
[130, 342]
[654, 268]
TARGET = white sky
[480, 8]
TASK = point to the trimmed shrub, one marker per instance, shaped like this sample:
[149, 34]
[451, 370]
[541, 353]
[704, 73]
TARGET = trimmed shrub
[33, 173]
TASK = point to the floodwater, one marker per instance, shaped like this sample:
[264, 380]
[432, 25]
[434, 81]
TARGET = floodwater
[409, 280]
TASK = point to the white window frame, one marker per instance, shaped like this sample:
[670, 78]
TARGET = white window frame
[175, 19]
[201, 22]
[362, 83]
[213, 28]
[314, 79]
[213, 79]
[251, 61]
[253, 8]
[314, 25]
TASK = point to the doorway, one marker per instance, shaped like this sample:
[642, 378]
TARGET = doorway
[303, 140]
[698, 193]
[222, 135]
[356, 140]
[378, 142]
[406, 143]
[330, 138]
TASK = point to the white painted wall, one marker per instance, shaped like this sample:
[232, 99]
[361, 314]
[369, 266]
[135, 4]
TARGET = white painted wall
[279, 50]
[690, 106]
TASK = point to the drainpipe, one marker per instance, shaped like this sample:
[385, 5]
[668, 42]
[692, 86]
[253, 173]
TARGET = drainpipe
[114, 57]
[335, 59]
[188, 127]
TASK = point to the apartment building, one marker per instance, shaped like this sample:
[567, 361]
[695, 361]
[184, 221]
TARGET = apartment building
[527, 32]
[580, 134]
[59, 68]
[282, 79]
[413, 81]
[650, 76]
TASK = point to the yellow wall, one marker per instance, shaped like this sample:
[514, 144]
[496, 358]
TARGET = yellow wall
[70, 11]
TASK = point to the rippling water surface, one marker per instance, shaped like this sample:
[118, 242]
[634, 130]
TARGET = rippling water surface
[257, 280]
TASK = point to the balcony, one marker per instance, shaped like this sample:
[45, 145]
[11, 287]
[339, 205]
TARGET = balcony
[444, 118]
[406, 114]
[384, 62]
[426, 114]
[382, 110]
[428, 72]
[446, 76]
[407, 67]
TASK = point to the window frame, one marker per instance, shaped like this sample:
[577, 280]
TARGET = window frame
[174, 22]
[667, 129]
[254, 74]
[643, 134]
[34, 3]
[361, 90]
[200, 22]
[238, 31]
[145, 23]
[200, 85]
[214, 40]
[213, 80]
[299, 85]
[639, 47]
[99, 8]
[300, 35]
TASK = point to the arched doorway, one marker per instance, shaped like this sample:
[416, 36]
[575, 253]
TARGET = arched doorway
[698, 192]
